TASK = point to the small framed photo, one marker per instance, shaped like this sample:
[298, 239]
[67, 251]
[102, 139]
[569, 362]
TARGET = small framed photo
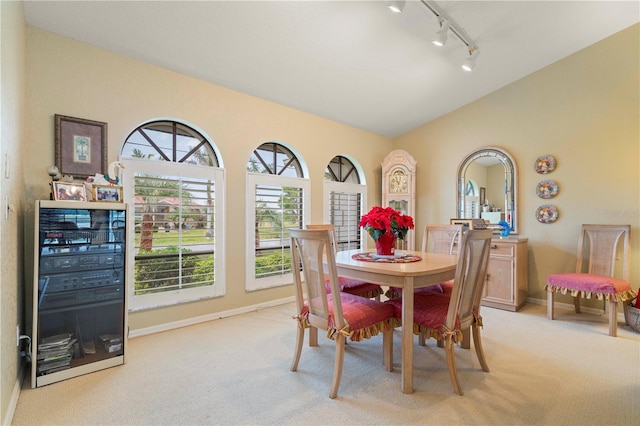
[81, 146]
[69, 191]
[107, 193]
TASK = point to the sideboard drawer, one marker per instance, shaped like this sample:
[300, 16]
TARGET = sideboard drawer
[502, 250]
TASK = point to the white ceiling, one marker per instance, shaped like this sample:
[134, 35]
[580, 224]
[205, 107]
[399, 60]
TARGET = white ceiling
[354, 62]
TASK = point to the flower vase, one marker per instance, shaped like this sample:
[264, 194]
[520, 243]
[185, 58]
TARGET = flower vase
[386, 244]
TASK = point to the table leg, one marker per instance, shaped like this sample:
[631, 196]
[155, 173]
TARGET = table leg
[407, 336]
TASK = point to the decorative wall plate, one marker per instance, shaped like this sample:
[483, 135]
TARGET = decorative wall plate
[545, 164]
[547, 214]
[547, 189]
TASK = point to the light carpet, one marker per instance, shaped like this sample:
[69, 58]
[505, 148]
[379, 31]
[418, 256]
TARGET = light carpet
[235, 371]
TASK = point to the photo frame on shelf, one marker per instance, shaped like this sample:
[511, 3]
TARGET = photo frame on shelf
[69, 191]
[107, 193]
[80, 146]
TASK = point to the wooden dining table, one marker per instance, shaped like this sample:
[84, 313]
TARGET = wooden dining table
[433, 268]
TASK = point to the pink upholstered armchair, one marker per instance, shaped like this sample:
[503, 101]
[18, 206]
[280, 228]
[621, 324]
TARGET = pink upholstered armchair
[593, 278]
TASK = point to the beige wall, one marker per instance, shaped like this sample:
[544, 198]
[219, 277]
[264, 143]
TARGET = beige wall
[12, 137]
[75, 79]
[584, 110]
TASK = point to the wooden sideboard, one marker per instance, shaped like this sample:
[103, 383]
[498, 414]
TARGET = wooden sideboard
[506, 283]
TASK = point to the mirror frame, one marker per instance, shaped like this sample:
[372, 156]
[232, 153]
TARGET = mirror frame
[510, 176]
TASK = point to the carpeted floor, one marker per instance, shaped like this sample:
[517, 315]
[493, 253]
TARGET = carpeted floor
[235, 371]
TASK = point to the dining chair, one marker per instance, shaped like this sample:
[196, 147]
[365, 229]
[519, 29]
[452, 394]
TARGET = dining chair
[340, 314]
[446, 317]
[435, 239]
[347, 285]
[598, 248]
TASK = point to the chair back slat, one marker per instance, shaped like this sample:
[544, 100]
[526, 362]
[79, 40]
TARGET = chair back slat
[332, 233]
[469, 280]
[600, 245]
[309, 249]
[443, 239]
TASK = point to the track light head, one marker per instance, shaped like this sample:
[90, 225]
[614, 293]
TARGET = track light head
[442, 34]
[470, 63]
[396, 6]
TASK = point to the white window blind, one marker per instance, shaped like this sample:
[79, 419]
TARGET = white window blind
[274, 204]
[177, 253]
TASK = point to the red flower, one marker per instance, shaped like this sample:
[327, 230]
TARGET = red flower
[381, 220]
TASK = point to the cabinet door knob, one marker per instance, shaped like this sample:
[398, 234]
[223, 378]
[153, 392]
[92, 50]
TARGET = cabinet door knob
[494, 247]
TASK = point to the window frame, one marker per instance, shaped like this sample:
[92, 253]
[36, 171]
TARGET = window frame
[254, 179]
[182, 166]
[340, 186]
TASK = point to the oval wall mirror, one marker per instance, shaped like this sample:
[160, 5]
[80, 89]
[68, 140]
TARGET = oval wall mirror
[488, 187]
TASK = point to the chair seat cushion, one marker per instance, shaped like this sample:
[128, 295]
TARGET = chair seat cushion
[359, 288]
[590, 285]
[447, 287]
[395, 292]
[364, 317]
[429, 315]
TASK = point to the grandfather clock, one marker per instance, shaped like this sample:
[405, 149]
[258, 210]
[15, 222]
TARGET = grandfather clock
[399, 189]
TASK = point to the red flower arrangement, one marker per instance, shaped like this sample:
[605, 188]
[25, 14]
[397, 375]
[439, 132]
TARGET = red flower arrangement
[382, 220]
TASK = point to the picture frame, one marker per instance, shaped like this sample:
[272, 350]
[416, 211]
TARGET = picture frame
[80, 146]
[68, 191]
[483, 195]
[107, 193]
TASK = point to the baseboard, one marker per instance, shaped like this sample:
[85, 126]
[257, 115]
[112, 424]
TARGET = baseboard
[209, 317]
[570, 307]
[15, 394]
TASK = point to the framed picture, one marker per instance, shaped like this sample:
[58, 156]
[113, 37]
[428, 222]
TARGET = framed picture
[69, 191]
[107, 193]
[483, 195]
[81, 146]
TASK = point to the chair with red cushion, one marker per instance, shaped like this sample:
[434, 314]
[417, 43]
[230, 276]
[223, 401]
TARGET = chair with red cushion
[340, 314]
[347, 285]
[445, 318]
[598, 247]
[435, 239]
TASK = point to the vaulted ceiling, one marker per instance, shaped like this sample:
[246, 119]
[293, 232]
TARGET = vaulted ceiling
[353, 62]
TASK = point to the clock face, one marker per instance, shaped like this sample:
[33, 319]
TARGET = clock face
[398, 181]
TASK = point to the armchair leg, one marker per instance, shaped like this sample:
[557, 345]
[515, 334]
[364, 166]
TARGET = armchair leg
[477, 343]
[337, 368]
[298, 350]
[613, 318]
[313, 336]
[576, 304]
[549, 305]
[451, 364]
[466, 339]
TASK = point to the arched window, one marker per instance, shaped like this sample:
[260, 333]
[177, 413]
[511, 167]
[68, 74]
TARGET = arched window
[165, 140]
[341, 169]
[344, 199]
[174, 187]
[277, 199]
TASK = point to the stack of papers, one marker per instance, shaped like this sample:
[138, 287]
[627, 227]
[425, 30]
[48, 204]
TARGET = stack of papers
[55, 353]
